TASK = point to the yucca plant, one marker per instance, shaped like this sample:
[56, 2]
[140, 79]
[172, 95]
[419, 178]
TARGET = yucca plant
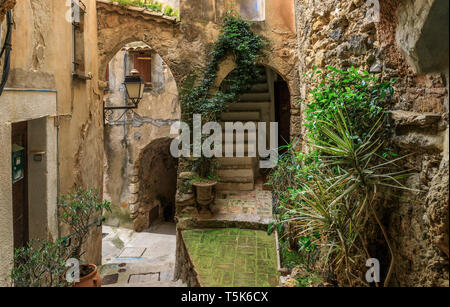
[340, 197]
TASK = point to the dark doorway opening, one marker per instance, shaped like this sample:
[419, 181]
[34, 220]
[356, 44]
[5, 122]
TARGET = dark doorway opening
[283, 113]
[19, 139]
[158, 171]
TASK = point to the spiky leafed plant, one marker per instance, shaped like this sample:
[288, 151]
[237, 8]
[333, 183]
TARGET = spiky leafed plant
[341, 196]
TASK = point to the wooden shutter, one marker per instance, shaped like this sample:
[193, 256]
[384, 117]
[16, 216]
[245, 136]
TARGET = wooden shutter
[143, 63]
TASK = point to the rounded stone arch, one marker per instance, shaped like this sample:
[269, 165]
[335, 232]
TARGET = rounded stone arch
[289, 76]
[288, 73]
[118, 26]
[153, 184]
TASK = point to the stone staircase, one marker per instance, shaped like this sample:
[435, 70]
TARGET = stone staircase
[240, 173]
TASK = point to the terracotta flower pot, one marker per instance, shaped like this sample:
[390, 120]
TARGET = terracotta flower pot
[93, 280]
[204, 192]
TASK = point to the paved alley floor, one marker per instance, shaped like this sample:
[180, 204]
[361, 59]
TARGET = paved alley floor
[233, 257]
[144, 259]
[242, 209]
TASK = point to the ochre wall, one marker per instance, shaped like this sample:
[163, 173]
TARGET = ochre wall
[42, 59]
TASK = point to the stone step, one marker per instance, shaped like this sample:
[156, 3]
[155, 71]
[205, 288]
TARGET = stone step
[236, 141]
[236, 175]
[241, 116]
[259, 88]
[246, 147]
[227, 186]
[249, 97]
[246, 162]
[262, 106]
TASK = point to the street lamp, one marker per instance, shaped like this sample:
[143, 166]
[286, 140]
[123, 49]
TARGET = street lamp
[134, 86]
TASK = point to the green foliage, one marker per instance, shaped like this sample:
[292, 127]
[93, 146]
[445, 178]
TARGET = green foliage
[359, 95]
[40, 264]
[155, 6]
[197, 96]
[80, 210]
[328, 195]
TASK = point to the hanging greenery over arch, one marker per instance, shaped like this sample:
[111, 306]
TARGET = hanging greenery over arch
[237, 40]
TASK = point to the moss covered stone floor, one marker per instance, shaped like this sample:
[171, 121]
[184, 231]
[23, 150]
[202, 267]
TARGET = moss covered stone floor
[233, 257]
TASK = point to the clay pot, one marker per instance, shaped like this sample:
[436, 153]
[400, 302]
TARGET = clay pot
[204, 193]
[93, 280]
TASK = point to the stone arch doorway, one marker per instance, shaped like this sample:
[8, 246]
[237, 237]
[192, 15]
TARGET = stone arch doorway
[270, 96]
[155, 185]
[127, 134]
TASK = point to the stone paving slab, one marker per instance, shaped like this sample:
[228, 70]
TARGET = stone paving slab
[233, 257]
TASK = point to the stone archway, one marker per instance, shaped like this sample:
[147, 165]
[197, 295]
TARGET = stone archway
[118, 26]
[154, 185]
[286, 73]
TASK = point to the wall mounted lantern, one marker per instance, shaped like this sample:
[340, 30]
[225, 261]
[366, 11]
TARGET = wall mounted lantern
[134, 87]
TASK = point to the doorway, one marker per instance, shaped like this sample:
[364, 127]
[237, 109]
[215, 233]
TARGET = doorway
[283, 113]
[19, 139]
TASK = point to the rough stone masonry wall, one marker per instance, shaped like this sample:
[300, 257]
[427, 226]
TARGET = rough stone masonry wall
[5, 5]
[337, 33]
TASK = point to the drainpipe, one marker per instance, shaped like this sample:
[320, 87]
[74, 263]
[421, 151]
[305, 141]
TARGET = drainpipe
[125, 56]
[7, 51]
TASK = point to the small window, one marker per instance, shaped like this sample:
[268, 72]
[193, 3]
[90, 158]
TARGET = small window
[143, 63]
[78, 24]
[253, 10]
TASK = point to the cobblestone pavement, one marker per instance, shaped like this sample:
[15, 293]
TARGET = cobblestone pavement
[144, 259]
[233, 257]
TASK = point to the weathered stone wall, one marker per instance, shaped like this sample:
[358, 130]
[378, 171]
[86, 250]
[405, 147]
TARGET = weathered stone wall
[126, 138]
[185, 46]
[340, 34]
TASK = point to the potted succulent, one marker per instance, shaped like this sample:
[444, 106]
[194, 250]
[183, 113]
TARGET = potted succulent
[81, 210]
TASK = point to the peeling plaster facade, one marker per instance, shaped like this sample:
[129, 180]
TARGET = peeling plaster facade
[64, 119]
[127, 139]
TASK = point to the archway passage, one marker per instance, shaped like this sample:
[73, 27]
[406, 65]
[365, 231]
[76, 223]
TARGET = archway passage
[157, 184]
[267, 100]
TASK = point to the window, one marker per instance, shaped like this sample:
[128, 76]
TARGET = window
[253, 10]
[78, 23]
[143, 63]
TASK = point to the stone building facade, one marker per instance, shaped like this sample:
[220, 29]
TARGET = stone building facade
[54, 111]
[130, 138]
[407, 40]
[184, 47]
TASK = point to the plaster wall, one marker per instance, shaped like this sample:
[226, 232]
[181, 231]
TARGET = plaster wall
[42, 59]
[126, 139]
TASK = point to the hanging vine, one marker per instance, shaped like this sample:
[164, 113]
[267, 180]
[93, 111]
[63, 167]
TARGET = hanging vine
[237, 40]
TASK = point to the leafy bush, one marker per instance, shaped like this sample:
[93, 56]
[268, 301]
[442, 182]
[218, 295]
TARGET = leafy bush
[40, 264]
[328, 196]
[80, 211]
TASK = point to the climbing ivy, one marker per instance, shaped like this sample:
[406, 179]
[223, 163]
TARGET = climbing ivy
[236, 39]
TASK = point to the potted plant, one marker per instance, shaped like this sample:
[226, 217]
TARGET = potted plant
[40, 264]
[81, 210]
[205, 182]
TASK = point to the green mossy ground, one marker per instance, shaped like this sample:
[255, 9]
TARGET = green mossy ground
[233, 257]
